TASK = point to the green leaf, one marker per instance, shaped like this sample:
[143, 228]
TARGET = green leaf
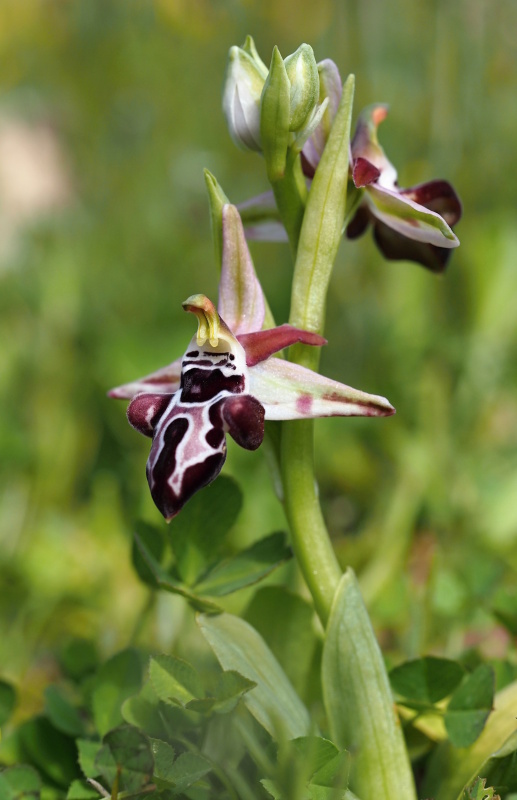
[273, 701]
[492, 755]
[7, 701]
[274, 117]
[247, 567]
[316, 752]
[53, 753]
[426, 680]
[164, 757]
[169, 584]
[126, 752]
[117, 679]
[197, 533]
[186, 770]
[20, 782]
[79, 658]
[285, 621]
[175, 680]
[470, 706]
[87, 753]
[228, 689]
[154, 543]
[81, 790]
[359, 702]
[322, 227]
[62, 713]
[146, 711]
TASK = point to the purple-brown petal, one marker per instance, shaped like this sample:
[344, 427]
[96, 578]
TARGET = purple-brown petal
[244, 418]
[263, 344]
[359, 222]
[396, 247]
[364, 172]
[145, 411]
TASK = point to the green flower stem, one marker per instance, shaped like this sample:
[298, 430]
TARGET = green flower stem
[316, 251]
[290, 194]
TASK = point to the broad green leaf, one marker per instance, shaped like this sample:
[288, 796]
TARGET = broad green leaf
[451, 770]
[247, 567]
[426, 680]
[7, 701]
[359, 702]
[20, 782]
[175, 680]
[154, 543]
[63, 715]
[87, 753]
[169, 584]
[285, 621]
[53, 753]
[82, 790]
[117, 679]
[126, 752]
[470, 706]
[196, 535]
[273, 701]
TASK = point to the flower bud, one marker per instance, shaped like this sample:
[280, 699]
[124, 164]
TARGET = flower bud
[245, 76]
[302, 72]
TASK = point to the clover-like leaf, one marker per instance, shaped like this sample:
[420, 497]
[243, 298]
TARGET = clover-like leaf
[63, 715]
[426, 680]
[20, 782]
[247, 567]
[197, 533]
[118, 678]
[470, 706]
[126, 754]
[175, 680]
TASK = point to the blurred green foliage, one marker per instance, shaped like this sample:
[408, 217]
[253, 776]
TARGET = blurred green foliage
[423, 504]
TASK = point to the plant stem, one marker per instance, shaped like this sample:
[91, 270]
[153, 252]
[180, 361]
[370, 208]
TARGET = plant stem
[316, 249]
[290, 195]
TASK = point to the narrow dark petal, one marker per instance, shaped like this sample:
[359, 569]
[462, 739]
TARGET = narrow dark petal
[438, 196]
[308, 169]
[263, 344]
[145, 411]
[244, 418]
[364, 172]
[396, 247]
[359, 223]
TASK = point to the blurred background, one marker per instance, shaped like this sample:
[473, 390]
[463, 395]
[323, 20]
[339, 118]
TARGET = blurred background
[109, 110]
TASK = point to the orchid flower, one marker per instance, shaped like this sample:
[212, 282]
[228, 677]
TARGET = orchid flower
[228, 382]
[413, 224]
